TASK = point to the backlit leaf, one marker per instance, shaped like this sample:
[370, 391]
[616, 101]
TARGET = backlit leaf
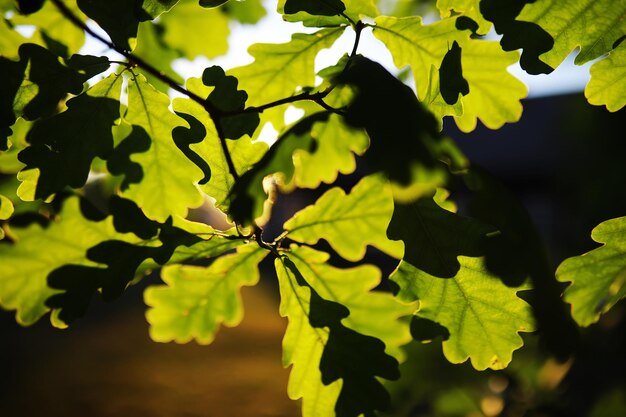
[469, 8]
[483, 315]
[169, 185]
[348, 222]
[336, 145]
[244, 153]
[25, 265]
[196, 31]
[592, 25]
[354, 9]
[608, 85]
[196, 300]
[598, 277]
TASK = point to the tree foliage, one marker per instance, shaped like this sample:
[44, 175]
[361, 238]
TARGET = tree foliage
[68, 120]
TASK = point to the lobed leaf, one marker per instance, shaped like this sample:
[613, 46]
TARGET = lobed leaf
[598, 277]
[482, 315]
[608, 85]
[593, 25]
[195, 299]
[348, 222]
[64, 146]
[169, 185]
[468, 8]
[354, 9]
[25, 265]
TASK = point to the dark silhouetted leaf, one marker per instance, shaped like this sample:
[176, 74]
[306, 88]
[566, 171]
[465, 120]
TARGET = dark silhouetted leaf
[63, 146]
[29, 6]
[451, 78]
[396, 122]
[315, 7]
[425, 228]
[119, 19]
[183, 137]
[119, 162]
[519, 34]
[228, 99]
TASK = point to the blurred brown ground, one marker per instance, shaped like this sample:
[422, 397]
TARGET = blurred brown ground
[112, 368]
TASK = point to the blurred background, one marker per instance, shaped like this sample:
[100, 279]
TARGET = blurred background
[565, 160]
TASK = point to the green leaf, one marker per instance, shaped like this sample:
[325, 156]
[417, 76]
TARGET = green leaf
[55, 30]
[6, 208]
[118, 18]
[246, 11]
[10, 40]
[598, 277]
[484, 67]
[334, 150]
[197, 299]
[494, 93]
[25, 265]
[169, 185]
[9, 164]
[608, 85]
[426, 230]
[155, 7]
[354, 9]
[152, 48]
[469, 8]
[321, 343]
[593, 25]
[319, 8]
[63, 146]
[530, 37]
[212, 3]
[243, 151]
[348, 222]
[279, 70]
[401, 131]
[248, 196]
[46, 81]
[195, 31]
[412, 43]
[227, 98]
[353, 288]
[451, 75]
[483, 315]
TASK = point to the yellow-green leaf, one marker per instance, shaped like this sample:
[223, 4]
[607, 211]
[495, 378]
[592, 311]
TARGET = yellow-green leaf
[25, 265]
[469, 8]
[243, 151]
[355, 10]
[592, 25]
[608, 84]
[598, 277]
[482, 315]
[336, 146]
[196, 299]
[169, 185]
[349, 222]
[194, 30]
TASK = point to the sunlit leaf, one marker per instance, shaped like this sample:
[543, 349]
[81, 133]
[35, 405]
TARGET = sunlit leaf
[155, 7]
[483, 315]
[494, 94]
[324, 347]
[153, 49]
[246, 11]
[59, 34]
[348, 222]
[25, 265]
[196, 300]
[608, 85]
[354, 9]
[279, 69]
[469, 8]
[169, 185]
[598, 277]
[244, 153]
[336, 145]
[196, 31]
[592, 25]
